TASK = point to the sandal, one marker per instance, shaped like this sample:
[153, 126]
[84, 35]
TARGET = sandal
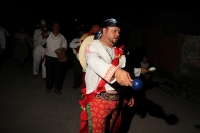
[58, 91]
[48, 91]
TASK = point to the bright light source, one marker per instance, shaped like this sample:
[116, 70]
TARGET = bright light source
[75, 19]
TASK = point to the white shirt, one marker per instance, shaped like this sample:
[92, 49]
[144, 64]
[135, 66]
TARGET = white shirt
[74, 44]
[53, 43]
[99, 65]
[2, 39]
[21, 37]
[144, 65]
[37, 38]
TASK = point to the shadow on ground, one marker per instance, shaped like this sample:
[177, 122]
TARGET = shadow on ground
[142, 107]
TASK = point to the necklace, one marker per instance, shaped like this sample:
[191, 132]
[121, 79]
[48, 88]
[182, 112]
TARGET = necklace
[107, 50]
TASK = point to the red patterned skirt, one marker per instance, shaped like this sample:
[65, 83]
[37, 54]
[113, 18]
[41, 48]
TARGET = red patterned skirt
[102, 113]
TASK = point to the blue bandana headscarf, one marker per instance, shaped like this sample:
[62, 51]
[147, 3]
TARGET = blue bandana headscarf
[107, 23]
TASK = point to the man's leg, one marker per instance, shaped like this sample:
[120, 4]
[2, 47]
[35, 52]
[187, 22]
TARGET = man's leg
[36, 61]
[49, 63]
[58, 76]
[98, 111]
[77, 73]
[43, 70]
[43, 66]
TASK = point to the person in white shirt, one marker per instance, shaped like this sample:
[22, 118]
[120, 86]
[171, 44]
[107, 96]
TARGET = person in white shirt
[144, 64]
[38, 51]
[21, 50]
[54, 70]
[75, 45]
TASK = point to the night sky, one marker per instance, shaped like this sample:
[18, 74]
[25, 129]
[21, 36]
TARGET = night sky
[87, 14]
[64, 12]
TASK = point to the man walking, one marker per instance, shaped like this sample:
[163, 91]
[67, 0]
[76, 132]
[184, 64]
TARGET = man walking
[38, 51]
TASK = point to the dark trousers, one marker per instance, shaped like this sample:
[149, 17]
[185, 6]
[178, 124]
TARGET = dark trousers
[77, 73]
[54, 76]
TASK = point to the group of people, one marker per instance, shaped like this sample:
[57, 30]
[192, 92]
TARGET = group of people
[105, 81]
[45, 44]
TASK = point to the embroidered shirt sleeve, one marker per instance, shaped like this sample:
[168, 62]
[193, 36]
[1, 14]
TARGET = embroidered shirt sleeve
[110, 72]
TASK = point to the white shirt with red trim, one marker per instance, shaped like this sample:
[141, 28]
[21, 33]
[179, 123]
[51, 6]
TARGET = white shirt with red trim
[99, 65]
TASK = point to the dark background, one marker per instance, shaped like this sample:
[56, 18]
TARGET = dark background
[29, 13]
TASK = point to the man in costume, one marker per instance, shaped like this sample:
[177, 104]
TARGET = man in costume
[101, 101]
[38, 51]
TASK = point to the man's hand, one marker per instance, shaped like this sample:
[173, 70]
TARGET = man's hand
[143, 71]
[123, 78]
[44, 34]
[64, 49]
[130, 103]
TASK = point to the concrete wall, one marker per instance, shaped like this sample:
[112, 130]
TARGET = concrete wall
[178, 54]
[190, 57]
[164, 50]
